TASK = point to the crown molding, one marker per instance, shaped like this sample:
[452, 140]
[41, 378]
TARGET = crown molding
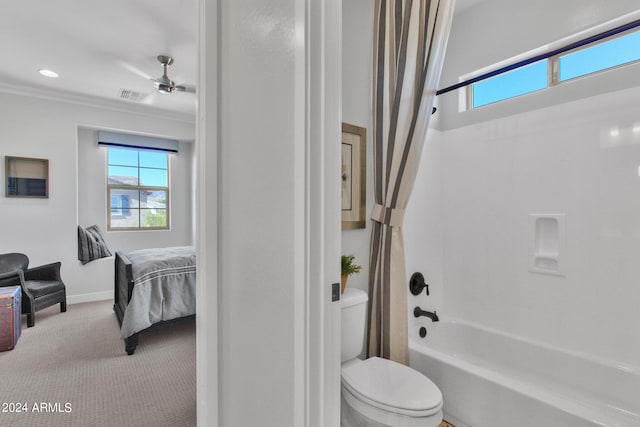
[93, 101]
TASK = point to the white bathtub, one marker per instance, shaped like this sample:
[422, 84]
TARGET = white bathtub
[492, 379]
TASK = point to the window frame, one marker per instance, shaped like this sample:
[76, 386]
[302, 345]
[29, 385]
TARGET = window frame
[138, 188]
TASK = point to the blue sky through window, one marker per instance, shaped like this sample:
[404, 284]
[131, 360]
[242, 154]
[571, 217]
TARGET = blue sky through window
[508, 85]
[148, 168]
[153, 159]
[618, 51]
[122, 157]
[153, 177]
[612, 52]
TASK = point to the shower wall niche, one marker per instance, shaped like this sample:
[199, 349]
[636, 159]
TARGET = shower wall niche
[549, 247]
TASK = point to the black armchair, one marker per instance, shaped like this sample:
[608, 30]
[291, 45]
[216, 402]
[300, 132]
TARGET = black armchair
[41, 286]
[10, 265]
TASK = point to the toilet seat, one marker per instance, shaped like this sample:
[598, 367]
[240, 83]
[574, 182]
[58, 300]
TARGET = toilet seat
[392, 387]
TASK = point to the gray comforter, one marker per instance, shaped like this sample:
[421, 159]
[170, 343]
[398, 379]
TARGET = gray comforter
[164, 287]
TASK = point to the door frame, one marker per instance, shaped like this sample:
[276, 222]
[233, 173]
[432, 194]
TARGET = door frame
[318, 87]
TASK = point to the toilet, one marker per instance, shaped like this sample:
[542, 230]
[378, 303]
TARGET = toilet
[377, 392]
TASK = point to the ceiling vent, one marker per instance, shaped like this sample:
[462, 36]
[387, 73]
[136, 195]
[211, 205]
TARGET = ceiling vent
[131, 95]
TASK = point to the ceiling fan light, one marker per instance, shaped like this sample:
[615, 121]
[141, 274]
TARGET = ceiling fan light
[48, 73]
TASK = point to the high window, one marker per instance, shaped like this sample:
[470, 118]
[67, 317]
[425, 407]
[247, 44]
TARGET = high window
[530, 78]
[137, 189]
[602, 56]
[540, 72]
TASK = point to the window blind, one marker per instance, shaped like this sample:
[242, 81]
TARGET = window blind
[137, 142]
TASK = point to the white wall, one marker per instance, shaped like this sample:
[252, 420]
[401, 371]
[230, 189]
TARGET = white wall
[357, 63]
[45, 229]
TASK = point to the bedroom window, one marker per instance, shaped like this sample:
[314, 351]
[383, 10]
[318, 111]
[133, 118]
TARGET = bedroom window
[137, 189]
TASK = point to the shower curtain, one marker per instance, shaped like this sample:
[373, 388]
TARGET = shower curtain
[410, 39]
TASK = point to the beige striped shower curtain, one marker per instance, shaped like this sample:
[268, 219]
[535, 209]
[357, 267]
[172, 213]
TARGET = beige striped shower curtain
[410, 39]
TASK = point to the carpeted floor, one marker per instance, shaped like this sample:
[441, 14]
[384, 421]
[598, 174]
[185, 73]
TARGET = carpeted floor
[71, 369]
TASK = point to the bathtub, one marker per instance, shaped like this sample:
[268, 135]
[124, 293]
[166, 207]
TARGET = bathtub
[492, 379]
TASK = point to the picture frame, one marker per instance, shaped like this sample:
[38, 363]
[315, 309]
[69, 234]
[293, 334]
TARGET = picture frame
[353, 176]
[26, 177]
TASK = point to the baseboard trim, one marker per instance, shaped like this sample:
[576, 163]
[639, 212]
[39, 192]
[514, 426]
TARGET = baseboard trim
[94, 296]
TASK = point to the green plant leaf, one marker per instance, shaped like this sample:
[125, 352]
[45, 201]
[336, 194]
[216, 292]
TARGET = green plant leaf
[348, 267]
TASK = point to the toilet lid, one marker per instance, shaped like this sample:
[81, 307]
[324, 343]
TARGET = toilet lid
[391, 386]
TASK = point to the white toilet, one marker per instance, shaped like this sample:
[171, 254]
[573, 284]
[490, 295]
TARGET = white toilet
[378, 392]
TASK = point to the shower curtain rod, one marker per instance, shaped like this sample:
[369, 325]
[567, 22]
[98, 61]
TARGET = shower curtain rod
[571, 46]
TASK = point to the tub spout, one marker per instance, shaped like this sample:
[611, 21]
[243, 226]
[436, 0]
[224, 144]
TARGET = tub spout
[417, 312]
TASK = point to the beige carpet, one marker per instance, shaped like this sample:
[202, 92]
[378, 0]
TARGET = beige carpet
[75, 364]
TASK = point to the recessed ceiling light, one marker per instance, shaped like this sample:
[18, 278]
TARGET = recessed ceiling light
[48, 73]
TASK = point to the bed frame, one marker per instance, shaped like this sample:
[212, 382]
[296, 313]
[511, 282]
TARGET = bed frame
[122, 295]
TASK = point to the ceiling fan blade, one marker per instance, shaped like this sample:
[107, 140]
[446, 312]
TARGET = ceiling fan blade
[185, 88]
[135, 70]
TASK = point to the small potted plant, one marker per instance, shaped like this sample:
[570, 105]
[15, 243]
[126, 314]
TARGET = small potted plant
[348, 268]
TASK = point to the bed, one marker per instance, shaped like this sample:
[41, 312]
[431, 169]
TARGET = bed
[153, 287]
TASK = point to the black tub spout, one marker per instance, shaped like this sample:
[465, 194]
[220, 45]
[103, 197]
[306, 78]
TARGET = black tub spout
[417, 312]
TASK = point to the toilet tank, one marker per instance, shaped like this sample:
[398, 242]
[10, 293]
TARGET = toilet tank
[354, 312]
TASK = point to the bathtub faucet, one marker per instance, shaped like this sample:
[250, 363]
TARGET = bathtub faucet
[417, 312]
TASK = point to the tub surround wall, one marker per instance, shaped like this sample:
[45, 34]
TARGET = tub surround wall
[423, 231]
[580, 159]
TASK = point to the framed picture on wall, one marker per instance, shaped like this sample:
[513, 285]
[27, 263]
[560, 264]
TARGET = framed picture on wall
[26, 177]
[354, 166]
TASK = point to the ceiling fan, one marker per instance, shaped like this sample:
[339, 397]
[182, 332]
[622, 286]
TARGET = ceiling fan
[164, 84]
